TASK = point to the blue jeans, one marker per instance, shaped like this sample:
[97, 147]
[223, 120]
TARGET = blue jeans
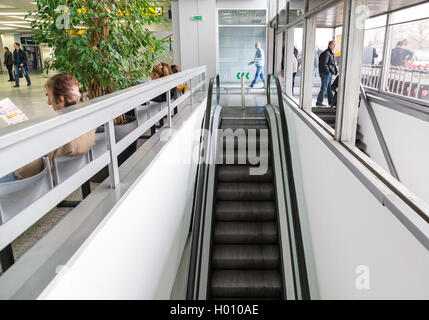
[259, 74]
[325, 88]
[24, 72]
[9, 178]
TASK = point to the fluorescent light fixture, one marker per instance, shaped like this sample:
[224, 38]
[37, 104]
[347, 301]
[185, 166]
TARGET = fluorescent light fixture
[6, 28]
[13, 13]
[13, 21]
[17, 25]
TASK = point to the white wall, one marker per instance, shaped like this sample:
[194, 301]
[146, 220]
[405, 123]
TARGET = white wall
[407, 140]
[197, 41]
[197, 38]
[345, 226]
[136, 251]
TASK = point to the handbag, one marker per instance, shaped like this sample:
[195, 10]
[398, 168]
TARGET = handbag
[21, 75]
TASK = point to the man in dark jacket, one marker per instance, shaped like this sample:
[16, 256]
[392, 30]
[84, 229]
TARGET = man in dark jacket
[327, 68]
[20, 62]
[8, 62]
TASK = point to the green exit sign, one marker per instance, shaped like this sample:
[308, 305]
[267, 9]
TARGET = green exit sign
[197, 18]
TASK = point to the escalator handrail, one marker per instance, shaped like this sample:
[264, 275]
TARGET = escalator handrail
[303, 277]
[199, 197]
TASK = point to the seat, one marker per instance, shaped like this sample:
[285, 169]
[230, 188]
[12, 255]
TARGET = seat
[146, 111]
[15, 196]
[65, 167]
[100, 146]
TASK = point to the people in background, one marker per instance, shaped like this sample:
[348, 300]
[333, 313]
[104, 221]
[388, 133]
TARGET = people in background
[62, 91]
[259, 62]
[327, 68]
[400, 55]
[294, 66]
[369, 54]
[181, 88]
[20, 62]
[8, 62]
[316, 62]
[159, 71]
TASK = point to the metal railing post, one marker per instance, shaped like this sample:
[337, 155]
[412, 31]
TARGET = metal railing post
[169, 109]
[113, 165]
[191, 91]
[243, 102]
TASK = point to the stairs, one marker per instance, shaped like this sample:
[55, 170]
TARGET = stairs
[245, 256]
[329, 116]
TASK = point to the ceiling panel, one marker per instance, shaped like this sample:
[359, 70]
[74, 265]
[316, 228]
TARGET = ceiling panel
[12, 13]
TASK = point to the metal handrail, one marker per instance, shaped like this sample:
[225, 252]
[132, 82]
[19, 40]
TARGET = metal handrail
[17, 143]
[303, 278]
[200, 195]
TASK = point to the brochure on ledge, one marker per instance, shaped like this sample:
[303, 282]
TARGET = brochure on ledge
[10, 113]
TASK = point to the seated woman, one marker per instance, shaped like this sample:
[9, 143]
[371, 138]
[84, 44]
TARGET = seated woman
[62, 91]
[181, 88]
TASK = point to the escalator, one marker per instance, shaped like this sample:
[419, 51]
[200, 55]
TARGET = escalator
[245, 254]
[246, 240]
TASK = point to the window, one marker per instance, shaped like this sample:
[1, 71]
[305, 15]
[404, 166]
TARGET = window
[408, 71]
[372, 58]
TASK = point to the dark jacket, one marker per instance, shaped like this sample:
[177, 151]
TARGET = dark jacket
[334, 87]
[399, 56]
[327, 62]
[8, 58]
[369, 55]
[22, 57]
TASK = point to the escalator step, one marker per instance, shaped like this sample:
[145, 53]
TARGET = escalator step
[235, 121]
[245, 191]
[246, 284]
[243, 157]
[246, 257]
[230, 173]
[245, 233]
[250, 141]
[244, 126]
[245, 211]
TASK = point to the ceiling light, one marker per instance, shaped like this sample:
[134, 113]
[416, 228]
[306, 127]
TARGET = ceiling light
[6, 28]
[17, 25]
[13, 13]
[12, 21]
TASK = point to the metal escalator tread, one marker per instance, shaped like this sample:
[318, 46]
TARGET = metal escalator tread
[250, 191]
[245, 211]
[245, 232]
[246, 256]
[230, 173]
[246, 284]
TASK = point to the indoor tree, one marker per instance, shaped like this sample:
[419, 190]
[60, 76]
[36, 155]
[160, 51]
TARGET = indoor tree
[105, 44]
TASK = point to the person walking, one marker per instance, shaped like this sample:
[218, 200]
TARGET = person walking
[20, 62]
[295, 66]
[369, 54]
[327, 68]
[8, 62]
[259, 62]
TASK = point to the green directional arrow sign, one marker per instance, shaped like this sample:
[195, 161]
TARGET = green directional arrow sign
[241, 75]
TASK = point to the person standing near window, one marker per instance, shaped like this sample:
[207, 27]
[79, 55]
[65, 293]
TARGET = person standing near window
[327, 68]
[20, 62]
[259, 62]
[8, 62]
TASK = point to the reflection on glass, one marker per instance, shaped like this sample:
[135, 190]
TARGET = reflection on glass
[297, 62]
[408, 72]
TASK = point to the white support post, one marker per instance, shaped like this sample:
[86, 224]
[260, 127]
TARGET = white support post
[109, 131]
[169, 109]
[289, 60]
[306, 94]
[351, 66]
[191, 91]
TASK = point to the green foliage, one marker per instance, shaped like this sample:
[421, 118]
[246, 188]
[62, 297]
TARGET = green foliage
[106, 44]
